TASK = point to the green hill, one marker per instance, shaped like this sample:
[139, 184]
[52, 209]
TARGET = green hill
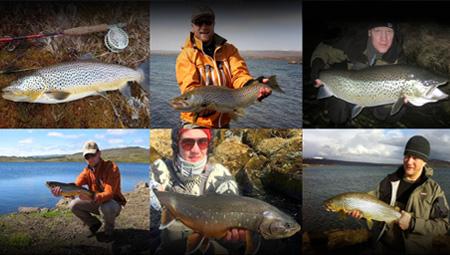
[128, 154]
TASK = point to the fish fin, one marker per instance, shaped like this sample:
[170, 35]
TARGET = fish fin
[418, 101]
[436, 94]
[369, 223]
[144, 70]
[196, 241]
[356, 110]
[273, 84]
[324, 92]
[397, 106]
[57, 94]
[166, 219]
[252, 243]
[125, 91]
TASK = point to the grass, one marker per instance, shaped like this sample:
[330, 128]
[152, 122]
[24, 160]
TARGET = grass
[16, 240]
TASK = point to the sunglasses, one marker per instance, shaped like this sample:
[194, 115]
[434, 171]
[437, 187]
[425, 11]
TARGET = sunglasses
[89, 156]
[200, 22]
[188, 143]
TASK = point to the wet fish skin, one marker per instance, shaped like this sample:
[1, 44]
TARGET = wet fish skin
[214, 214]
[222, 99]
[371, 207]
[69, 189]
[380, 85]
[70, 81]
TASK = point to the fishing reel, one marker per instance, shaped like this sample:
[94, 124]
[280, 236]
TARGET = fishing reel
[116, 40]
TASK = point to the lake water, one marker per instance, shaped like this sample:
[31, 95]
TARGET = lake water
[323, 182]
[276, 111]
[23, 184]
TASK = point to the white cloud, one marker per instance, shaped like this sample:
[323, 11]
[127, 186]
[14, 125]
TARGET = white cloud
[61, 135]
[119, 131]
[138, 140]
[26, 141]
[99, 136]
[115, 141]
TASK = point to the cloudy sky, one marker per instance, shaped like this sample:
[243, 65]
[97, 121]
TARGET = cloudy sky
[36, 142]
[371, 145]
[270, 25]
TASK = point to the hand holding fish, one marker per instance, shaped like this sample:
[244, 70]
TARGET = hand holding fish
[264, 92]
[235, 235]
[404, 220]
[56, 191]
[355, 214]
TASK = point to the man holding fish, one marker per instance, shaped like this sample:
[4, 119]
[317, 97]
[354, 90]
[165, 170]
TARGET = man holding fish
[208, 60]
[380, 44]
[423, 205]
[103, 179]
[190, 172]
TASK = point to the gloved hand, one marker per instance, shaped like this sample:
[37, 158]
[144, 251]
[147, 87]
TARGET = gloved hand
[316, 66]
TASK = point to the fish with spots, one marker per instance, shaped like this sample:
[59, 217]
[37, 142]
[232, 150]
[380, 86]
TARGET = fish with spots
[213, 214]
[381, 85]
[71, 81]
[222, 99]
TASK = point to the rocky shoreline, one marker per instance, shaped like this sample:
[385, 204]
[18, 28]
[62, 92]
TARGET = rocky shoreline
[58, 231]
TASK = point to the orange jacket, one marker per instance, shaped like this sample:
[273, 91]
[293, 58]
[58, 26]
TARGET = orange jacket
[109, 177]
[194, 68]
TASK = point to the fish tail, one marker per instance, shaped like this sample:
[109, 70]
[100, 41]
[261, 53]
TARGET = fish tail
[144, 70]
[273, 84]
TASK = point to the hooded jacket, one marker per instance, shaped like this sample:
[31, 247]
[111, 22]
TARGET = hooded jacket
[194, 68]
[427, 205]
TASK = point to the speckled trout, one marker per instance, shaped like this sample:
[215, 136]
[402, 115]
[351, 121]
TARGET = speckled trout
[71, 81]
[222, 99]
[380, 85]
[70, 189]
[370, 207]
[212, 215]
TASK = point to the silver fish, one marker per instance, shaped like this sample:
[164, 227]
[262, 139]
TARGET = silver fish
[380, 85]
[71, 81]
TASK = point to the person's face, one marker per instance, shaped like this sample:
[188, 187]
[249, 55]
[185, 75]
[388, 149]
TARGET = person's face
[193, 145]
[381, 38]
[413, 166]
[92, 159]
[203, 29]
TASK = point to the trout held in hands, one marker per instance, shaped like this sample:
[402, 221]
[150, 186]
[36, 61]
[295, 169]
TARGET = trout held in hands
[70, 189]
[371, 207]
[222, 99]
[380, 85]
[212, 215]
[71, 81]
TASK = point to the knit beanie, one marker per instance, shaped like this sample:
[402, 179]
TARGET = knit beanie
[418, 146]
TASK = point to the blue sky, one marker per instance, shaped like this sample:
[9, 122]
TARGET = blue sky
[34, 142]
[274, 25]
[371, 145]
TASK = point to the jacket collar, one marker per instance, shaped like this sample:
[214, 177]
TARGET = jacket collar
[193, 42]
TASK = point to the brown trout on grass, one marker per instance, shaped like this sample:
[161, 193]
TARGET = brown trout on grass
[212, 215]
[70, 189]
[222, 99]
[371, 207]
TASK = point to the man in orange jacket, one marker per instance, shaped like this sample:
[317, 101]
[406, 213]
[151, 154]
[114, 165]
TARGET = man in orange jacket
[208, 60]
[103, 178]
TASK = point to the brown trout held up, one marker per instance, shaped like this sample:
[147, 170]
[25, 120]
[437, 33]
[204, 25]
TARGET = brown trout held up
[222, 99]
[212, 215]
[69, 189]
[371, 207]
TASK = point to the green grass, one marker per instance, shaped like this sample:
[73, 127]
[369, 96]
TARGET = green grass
[17, 240]
[55, 213]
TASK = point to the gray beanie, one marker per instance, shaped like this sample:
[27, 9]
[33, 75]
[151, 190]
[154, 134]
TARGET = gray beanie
[418, 146]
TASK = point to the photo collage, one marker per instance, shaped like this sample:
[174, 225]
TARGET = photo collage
[224, 127]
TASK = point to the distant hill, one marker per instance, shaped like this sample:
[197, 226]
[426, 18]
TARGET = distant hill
[290, 56]
[314, 161]
[128, 154]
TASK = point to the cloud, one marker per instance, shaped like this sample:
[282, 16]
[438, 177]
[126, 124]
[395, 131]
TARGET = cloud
[115, 141]
[138, 140]
[119, 132]
[26, 141]
[374, 145]
[61, 135]
[99, 136]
